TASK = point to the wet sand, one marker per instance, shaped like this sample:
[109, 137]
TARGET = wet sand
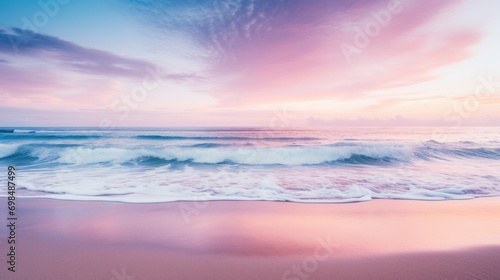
[380, 239]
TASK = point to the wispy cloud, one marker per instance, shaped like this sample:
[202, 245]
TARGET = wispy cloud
[228, 61]
[48, 70]
[75, 57]
[275, 51]
[229, 28]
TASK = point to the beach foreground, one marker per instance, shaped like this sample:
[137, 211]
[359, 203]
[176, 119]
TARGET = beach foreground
[380, 239]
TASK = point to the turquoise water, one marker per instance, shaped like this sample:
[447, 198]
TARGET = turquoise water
[303, 165]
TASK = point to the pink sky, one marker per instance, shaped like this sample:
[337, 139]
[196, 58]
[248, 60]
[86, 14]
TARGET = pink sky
[256, 63]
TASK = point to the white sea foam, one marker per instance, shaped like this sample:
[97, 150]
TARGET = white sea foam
[242, 165]
[250, 156]
[308, 184]
[8, 149]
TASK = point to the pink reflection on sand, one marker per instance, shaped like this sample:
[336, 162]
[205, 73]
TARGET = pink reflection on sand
[282, 229]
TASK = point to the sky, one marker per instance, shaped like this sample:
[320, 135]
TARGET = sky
[271, 63]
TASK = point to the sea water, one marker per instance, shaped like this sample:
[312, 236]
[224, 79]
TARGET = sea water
[301, 164]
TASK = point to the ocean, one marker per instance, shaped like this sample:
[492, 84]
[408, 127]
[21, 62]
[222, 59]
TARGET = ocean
[141, 165]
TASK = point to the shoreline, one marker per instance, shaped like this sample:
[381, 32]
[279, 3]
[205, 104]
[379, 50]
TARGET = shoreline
[60, 239]
[251, 200]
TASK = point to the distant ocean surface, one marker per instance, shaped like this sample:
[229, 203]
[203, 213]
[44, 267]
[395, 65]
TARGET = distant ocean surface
[302, 165]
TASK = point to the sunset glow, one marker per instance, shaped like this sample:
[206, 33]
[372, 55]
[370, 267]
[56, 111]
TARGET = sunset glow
[189, 63]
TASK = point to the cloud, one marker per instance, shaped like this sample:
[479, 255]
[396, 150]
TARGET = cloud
[399, 121]
[270, 51]
[16, 41]
[311, 65]
[43, 69]
[228, 28]
[256, 54]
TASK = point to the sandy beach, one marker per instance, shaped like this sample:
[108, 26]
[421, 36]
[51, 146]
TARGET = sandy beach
[380, 239]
